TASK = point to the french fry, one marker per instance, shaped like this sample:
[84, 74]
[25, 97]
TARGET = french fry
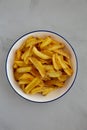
[65, 66]
[32, 84]
[19, 63]
[22, 46]
[40, 54]
[55, 65]
[15, 66]
[27, 54]
[46, 42]
[47, 90]
[55, 82]
[51, 72]
[38, 89]
[47, 52]
[24, 81]
[57, 60]
[63, 77]
[68, 71]
[54, 74]
[52, 48]
[43, 61]
[63, 53]
[49, 67]
[61, 61]
[57, 42]
[38, 66]
[32, 42]
[18, 55]
[22, 86]
[23, 69]
[68, 62]
[26, 76]
[34, 72]
[17, 75]
[55, 47]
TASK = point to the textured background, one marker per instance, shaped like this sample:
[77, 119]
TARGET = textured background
[69, 19]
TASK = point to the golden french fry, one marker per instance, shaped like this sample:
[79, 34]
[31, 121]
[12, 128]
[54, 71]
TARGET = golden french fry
[29, 38]
[38, 89]
[65, 66]
[55, 82]
[63, 53]
[46, 42]
[63, 77]
[18, 55]
[58, 63]
[26, 76]
[55, 47]
[52, 48]
[49, 67]
[60, 58]
[27, 54]
[22, 46]
[47, 52]
[15, 66]
[38, 66]
[68, 71]
[68, 62]
[22, 86]
[32, 42]
[34, 72]
[47, 90]
[43, 61]
[54, 74]
[24, 81]
[32, 84]
[56, 42]
[19, 63]
[54, 60]
[17, 75]
[40, 54]
[23, 69]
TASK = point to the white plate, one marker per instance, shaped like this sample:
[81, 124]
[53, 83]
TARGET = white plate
[53, 95]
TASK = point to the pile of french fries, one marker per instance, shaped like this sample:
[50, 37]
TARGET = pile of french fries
[41, 65]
